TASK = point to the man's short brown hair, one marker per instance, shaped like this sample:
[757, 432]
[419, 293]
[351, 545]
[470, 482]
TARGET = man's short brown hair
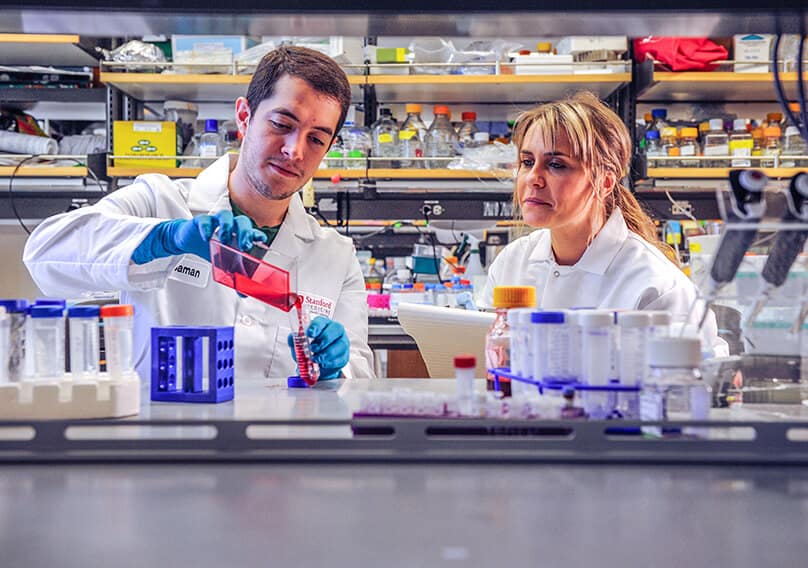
[318, 70]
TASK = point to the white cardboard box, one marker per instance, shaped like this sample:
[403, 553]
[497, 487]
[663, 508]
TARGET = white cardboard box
[752, 47]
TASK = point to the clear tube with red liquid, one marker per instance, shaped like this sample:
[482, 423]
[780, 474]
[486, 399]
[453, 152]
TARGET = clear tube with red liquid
[309, 371]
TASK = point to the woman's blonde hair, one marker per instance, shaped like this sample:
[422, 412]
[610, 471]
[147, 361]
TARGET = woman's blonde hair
[601, 142]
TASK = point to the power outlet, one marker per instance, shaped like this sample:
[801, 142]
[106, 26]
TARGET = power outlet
[682, 208]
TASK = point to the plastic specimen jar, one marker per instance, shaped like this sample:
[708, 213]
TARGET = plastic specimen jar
[118, 322]
[597, 347]
[84, 341]
[633, 359]
[48, 336]
[550, 346]
[16, 309]
[464, 379]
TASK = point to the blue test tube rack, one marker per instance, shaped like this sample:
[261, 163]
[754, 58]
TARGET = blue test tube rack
[541, 386]
[167, 386]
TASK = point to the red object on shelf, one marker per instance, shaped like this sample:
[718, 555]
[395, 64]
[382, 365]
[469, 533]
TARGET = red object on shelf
[251, 276]
[680, 53]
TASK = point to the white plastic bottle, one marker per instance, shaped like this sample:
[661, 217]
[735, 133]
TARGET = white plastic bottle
[83, 325]
[549, 346]
[635, 328]
[597, 347]
[464, 380]
[118, 339]
[48, 336]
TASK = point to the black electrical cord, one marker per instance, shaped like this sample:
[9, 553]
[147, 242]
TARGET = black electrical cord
[13, 203]
[778, 84]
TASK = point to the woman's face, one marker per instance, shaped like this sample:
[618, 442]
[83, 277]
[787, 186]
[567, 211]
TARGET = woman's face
[552, 186]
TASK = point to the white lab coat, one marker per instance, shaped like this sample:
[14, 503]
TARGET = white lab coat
[90, 249]
[619, 270]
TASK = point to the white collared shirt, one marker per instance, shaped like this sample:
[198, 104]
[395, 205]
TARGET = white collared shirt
[618, 271]
[90, 249]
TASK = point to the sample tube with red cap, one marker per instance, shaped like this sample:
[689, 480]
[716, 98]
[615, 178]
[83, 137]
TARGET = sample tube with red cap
[464, 379]
[118, 339]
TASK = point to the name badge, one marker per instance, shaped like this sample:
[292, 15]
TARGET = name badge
[191, 271]
[318, 305]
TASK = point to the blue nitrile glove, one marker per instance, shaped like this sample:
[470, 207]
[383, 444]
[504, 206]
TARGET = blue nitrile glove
[192, 236]
[330, 346]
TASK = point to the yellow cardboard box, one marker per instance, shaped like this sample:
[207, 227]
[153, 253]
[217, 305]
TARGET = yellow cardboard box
[144, 138]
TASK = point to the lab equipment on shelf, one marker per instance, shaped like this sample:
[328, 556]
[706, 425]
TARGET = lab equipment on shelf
[192, 364]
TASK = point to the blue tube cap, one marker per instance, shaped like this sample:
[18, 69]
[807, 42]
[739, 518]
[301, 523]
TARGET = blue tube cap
[50, 302]
[46, 312]
[296, 382]
[15, 305]
[83, 311]
[547, 317]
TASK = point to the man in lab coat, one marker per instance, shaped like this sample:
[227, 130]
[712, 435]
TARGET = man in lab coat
[150, 240]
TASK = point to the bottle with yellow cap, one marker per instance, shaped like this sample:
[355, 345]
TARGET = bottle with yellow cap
[498, 339]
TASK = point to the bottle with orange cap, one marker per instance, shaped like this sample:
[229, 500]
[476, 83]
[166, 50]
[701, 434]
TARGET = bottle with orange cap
[412, 136]
[771, 147]
[441, 138]
[498, 339]
[118, 339]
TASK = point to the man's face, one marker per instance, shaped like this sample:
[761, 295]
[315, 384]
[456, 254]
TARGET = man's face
[286, 137]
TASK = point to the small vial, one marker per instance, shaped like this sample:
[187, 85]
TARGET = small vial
[84, 341]
[5, 323]
[633, 360]
[550, 346]
[48, 336]
[464, 380]
[118, 340]
[598, 346]
[17, 311]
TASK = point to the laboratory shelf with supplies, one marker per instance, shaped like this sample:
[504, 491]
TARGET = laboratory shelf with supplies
[47, 49]
[697, 86]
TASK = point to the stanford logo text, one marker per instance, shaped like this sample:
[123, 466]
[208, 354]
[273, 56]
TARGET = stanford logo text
[187, 270]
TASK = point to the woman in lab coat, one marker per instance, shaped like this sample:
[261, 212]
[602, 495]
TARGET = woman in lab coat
[596, 247]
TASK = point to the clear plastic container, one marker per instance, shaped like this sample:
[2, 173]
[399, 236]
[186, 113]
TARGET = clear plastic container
[118, 339]
[356, 145]
[653, 148]
[716, 143]
[48, 336]
[635, 329]
[689, 148]
[16, 311]
[335, 157]
[441, 139]
[771, 147]
[574, 343]
[741, 144]
[211, 144]
[550, 346]
[83, 325]
[5, 324]
[467, 130]
[598, 345]
[674, 389]
[520, 344]
[385, 140]
[412, 137]
[794, 149]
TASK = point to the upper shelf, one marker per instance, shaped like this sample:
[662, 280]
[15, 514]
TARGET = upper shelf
[491, 88]
[156, 87]
[59, 50]
[690, 86]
